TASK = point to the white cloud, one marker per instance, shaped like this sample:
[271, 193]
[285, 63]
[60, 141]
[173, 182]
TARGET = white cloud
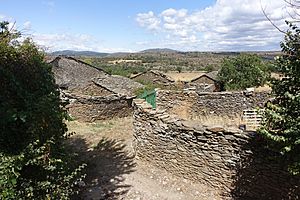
[148, 20]
[60, 41]
[79, 42]
[227, 25]
[27, 25]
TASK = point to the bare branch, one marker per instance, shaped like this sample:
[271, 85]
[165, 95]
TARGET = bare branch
[293, 3]
[268, 18]
[295, 6]
[12, 27]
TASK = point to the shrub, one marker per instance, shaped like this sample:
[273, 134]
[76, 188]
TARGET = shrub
[281, 127]
[242, 72]
[33, 161]
[179, 69]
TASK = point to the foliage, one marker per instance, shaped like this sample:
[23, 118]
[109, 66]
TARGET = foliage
[209, 68]
[179, 69]
[141, 91]
[281, 126]
[148, 86]
[121, 69]
[163, 61]
[243, 71]
[33, 161]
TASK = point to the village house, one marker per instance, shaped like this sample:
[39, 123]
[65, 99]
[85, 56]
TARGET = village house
[71, 73]
[154, 77]
[118, 85]
[91, 93]
[205, 83]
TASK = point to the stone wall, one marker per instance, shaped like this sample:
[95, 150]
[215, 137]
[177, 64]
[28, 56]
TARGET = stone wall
[90, 108]
[168, 99]
[229, 104]
[228, 159]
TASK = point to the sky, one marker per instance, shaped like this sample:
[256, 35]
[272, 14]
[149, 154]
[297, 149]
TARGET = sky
[135, 25]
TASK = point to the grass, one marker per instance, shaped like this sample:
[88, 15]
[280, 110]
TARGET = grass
[118, 128]
[183, 111]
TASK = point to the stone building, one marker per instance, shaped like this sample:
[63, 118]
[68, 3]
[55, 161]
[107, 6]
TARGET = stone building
[71, 73]
[154, 77]
[205, 83]
[92, 93]
[118, 85]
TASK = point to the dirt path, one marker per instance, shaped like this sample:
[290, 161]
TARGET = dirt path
[114, 173]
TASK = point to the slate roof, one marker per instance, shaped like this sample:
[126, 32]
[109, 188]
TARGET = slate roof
[118, 84]
[211, 75]
[72, 73]
[158, 73]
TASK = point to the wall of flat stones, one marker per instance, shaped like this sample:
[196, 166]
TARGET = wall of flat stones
[90, 108]
[211, 103]
[227, 103]
[168, 99]
[230, 160]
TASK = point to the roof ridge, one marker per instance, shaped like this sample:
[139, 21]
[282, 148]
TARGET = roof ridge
[207, 75]
[79, 61]
[157, 72]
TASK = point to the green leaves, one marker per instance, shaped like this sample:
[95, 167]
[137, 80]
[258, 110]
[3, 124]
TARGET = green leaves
[242, 72]
[282, 116]
[33, 164]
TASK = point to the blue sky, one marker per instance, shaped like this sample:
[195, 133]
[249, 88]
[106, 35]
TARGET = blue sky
[134, 25]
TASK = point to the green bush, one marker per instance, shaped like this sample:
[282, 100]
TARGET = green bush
[179, 69]
[148, 88]
[243, 71]
[281, 126]
[33, 161]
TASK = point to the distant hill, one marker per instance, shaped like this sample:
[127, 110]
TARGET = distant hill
[78, 53]
[159, 50]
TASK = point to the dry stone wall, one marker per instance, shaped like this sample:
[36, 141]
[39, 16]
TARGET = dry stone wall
[168, 99]
[211, 103]
[228, 159]
[90, 108]
[227, 103]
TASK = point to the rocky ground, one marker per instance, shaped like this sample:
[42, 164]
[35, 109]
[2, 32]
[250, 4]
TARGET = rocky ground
[114, 172]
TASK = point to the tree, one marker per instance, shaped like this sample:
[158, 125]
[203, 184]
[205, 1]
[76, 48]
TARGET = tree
[179, 69]
[281, 127]
[33, 162]
[242, 72]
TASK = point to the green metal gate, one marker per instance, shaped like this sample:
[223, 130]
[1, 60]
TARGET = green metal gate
[149, 96]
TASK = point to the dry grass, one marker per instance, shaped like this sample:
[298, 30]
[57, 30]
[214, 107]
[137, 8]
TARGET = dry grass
[277, 76]
[183, 111]
[119, 129]
[265, 88]
[184, 76]
[124, 61]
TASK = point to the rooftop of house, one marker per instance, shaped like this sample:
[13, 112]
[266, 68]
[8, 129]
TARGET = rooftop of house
[71, 73]
[158, 73]
[211, 75]
[118, 84]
